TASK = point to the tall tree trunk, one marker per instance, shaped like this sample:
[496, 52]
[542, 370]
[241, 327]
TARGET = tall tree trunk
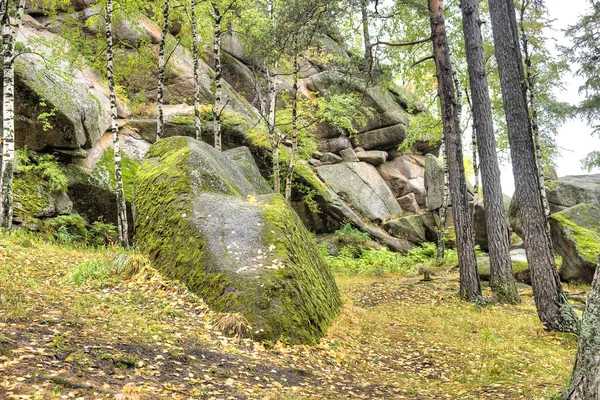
[502, 280]
[535, 126]
[218, 109]
[552, 306]
[160, 124]
[366, 35]
[443, 212]
[470, 288]
[121, 202]
[271, 121]
[290, 171]
[196, 40]
[9, 32]
[585, 379]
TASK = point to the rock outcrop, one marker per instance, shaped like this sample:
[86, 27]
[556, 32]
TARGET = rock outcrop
[239, 246]
[576, 237]
[363, 188]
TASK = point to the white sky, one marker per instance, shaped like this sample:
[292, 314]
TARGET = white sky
[574, 139]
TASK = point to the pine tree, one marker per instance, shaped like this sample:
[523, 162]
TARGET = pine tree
[552, 305]
[502, 280]
[469, 280]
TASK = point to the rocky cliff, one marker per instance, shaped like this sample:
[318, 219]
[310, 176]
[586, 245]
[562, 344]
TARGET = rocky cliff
[360, 177]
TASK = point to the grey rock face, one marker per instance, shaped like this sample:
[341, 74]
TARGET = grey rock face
[434, 182]
[349, 155]
[331, 158]
[373, 157]
[361, 185]
[404, 175]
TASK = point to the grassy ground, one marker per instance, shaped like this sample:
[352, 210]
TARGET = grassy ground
[72, 328]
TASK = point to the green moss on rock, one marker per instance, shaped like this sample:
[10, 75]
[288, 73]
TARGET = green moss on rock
[586, 239]
[202, 222]
[104, 173]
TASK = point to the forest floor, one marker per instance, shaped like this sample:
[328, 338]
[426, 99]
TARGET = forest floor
[68, 331]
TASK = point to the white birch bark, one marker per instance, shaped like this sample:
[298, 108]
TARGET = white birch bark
[218, 109]
[9, 32]
[160, 97]
[290, 171]
[121, 202]
[196, 41]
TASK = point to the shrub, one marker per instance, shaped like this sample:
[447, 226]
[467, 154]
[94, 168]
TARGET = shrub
[45, 167]
[73, 229]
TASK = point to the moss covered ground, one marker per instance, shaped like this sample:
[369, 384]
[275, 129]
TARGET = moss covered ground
[103, 318]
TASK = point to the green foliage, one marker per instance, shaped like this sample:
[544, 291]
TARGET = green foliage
[74, 230]
[44, 167]
[46, 116]
[354, 260]
[343, 111]
[585, 53]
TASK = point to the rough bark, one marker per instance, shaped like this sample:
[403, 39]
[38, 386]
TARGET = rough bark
[196, 41]
[218, 109]
[535, 126]
[502, 280]
[290, 172]
[9, 32]
[441, 248]
[160, 99]
[121, 203]
[552, 306]
[470, 288]
[585, 379]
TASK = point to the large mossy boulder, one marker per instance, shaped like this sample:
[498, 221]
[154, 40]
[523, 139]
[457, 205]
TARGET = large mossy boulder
[205, 221]
[576, 237]
[572, 190]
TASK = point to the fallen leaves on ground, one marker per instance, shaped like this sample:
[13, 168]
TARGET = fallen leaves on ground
[147, 338]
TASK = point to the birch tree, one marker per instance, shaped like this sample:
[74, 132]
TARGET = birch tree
[551, 303]
[220, 13]
[470, 288]
[160, 121]
[9, 33]
[196, 46]
[121, 202]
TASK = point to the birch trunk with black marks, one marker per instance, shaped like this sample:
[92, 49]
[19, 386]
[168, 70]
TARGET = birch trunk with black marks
[585, 379]
[551, 303]
[160, 97]
[218, 109]
[470, 288]
[121, 202]
[196, 41]
[535, 126]
[274, 136]
[443, 212]
[9, 33]
[290, 172]
[502, 281]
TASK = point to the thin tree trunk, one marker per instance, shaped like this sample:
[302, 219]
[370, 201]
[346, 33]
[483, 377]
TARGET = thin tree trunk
[502, 280]
[218, 109]
[474, 146]
[274, 138]
[585, 379]
[443, 212]
[366, 34]
[290, 171]
[160, 125]
[535, 126]
[470, 288]
[121, 202]
[552, 306]
[196, 40]
[9, 32]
